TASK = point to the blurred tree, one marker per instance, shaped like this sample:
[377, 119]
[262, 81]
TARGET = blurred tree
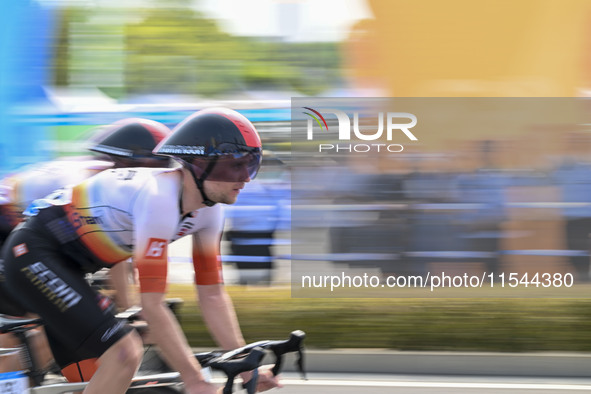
[170, 48]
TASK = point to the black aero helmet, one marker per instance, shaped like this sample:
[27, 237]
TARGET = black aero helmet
[132, 138]
[217, 144]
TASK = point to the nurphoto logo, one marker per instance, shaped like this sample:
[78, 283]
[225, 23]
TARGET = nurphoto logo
[396, 123]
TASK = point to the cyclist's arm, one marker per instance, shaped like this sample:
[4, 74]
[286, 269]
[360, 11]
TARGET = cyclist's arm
[220, 316]
[155, 220]
[171, 340]
[216, 305]
[119, 278]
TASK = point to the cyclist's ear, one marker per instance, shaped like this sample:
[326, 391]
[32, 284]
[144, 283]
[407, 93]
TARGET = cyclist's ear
[80, 371]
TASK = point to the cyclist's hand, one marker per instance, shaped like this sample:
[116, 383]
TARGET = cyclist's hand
[267, 380]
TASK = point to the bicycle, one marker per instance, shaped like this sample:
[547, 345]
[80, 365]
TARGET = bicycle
[154, 376]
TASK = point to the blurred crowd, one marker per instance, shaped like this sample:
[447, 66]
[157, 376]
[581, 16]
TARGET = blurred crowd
[489, 218]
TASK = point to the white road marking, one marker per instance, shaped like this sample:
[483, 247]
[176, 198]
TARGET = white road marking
[458, 385]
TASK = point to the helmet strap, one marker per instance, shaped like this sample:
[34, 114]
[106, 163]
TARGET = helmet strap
[206, 200]
[199, 182]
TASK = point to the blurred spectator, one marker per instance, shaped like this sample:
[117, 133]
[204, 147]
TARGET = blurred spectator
[254, 221]
[433, 227]
[573, 176]
[482, 223]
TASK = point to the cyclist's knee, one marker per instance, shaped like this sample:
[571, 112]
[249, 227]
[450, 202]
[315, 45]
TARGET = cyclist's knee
[126, 354]
[129, 350]
[135, 349]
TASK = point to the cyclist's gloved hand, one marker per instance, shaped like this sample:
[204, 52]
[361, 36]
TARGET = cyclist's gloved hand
[266, 379]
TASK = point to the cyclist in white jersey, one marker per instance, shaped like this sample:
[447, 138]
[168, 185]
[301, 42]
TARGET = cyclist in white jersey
[128, 142]
[136, 212]
[35, 181]
[125, 143]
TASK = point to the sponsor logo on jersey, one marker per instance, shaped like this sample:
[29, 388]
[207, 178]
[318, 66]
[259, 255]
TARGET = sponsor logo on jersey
[91, 220]
[51, 286]
[79, 220]
[111, 331]
[104, 302]
[20, 250]
[156, 248]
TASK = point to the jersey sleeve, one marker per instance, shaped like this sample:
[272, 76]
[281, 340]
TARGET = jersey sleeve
[11, 211]
[206, 249]
[156, 214]
[5, 192]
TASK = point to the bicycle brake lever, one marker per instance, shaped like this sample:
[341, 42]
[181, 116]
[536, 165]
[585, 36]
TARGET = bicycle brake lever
[233, 367]
[294, 343]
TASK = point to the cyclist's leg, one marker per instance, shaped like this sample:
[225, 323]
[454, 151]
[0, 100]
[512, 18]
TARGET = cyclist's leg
[111, 372]
[10, 362]
[79, 321]
[40, 348]
[115, 366]
[9, 305]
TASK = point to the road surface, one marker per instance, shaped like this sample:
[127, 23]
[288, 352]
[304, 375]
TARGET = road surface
[417, 384]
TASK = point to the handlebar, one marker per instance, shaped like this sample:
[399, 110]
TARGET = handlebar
[245, 358]
[293, 344]
[241, 359]
[232, 367]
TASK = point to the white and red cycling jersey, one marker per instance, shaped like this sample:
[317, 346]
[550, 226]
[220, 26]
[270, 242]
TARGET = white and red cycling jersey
[131, 212]
[19, 189]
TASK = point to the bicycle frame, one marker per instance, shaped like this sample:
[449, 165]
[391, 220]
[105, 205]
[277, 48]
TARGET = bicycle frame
[232, 363]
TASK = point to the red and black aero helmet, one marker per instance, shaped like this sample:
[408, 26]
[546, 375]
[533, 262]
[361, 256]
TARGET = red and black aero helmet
[132, 138]
[217, 144]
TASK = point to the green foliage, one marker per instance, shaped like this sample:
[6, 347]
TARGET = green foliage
[61, 53]
[176, 50]
[506, 325]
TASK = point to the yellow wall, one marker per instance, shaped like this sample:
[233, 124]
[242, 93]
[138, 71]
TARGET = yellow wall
[473, 48]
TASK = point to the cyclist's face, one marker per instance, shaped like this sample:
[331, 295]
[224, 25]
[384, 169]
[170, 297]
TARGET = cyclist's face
[224, 192]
